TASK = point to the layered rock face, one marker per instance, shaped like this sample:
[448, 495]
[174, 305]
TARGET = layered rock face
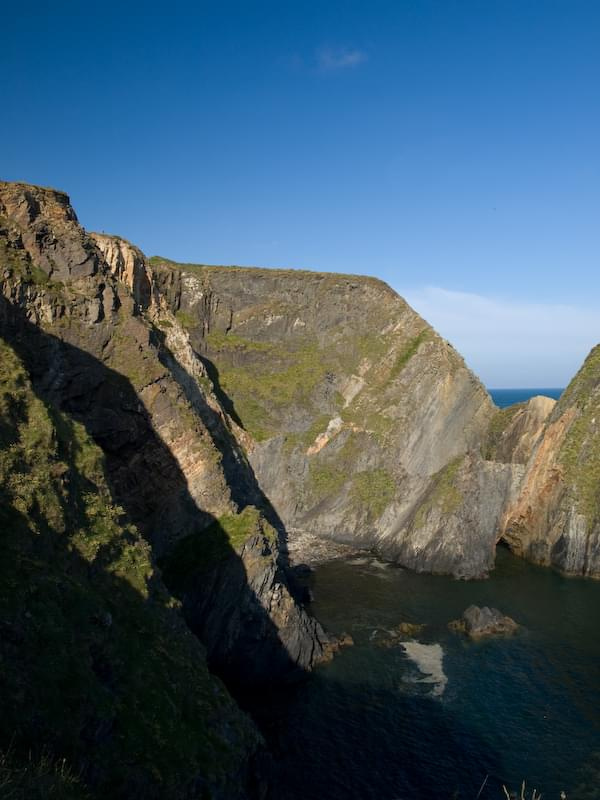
[351, 405]
[171, 427]
[555, 517]
[85, 322]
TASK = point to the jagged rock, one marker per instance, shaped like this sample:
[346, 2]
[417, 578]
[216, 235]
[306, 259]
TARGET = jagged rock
[352, 402]
[95, 342]
[555, 518]
[478, 622]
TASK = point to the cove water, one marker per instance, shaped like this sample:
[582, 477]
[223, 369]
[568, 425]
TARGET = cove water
[431, 715]
[506, 397]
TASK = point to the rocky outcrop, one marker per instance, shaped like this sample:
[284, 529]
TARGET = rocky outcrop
[555, 518]
[350, 403]
[99, 672]
[102, 351]
[478, 623]
[239, 603]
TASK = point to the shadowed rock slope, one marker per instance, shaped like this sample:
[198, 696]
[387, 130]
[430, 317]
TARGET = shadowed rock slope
[87, 374]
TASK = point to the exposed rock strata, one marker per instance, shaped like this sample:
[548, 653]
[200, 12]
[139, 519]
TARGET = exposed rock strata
[350, 403]
[555, 518]
[85, 321]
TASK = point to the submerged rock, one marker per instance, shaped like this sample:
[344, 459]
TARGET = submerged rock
[478, 622]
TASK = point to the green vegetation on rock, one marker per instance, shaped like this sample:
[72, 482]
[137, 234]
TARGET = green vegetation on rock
[97, 665]
[185, 319]
[373, 490]
[580, 451]
[408, 352]
[198, 553]
[326, 480]
[500, 422]
[444, 495]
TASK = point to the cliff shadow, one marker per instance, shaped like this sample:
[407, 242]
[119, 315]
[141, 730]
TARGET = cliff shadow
[241, 478]
[348, 740]
[102, 688]
[144, 477]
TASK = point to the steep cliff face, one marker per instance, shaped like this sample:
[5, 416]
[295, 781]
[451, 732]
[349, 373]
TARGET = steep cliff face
[555, 518]
[350, 403]
[98, 669]
[88, 327]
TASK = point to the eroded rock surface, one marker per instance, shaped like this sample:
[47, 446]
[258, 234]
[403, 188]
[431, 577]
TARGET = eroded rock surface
[555, 518]
[479, 622]
[350, 403]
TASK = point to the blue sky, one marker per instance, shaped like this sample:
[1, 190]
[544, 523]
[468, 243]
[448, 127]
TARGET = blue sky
[450, 148]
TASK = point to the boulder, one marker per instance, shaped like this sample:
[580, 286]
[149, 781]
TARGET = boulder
[478, 622]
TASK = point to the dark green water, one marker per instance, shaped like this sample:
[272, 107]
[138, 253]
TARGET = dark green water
[376, 724]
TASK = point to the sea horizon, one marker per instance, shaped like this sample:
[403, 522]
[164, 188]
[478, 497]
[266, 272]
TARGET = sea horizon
[508, 396]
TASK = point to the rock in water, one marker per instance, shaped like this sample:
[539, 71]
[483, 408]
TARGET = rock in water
[478, 622]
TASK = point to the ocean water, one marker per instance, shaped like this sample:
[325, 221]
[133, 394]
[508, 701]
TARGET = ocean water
[506, 397]
[434, 715]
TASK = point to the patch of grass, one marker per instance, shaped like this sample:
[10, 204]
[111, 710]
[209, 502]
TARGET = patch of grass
[408, 352]
[261, 392]
[218, 340]
[200, 552]
[326, 480]
[580, 451]
[500, 422]
[373, 490]
[186, 320]
[444, 495]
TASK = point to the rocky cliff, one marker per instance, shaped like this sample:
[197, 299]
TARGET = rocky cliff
[166, 430]
[555, 516]
[350, 405]
[82, 321]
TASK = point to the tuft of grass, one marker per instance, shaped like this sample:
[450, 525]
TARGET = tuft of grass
[444, 494]
[408, 352]
[198, 553]
[38, 778]
[373, 490]
[500, 422]
[186, 320]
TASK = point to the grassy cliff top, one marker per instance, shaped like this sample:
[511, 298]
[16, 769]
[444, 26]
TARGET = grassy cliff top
[239, 271]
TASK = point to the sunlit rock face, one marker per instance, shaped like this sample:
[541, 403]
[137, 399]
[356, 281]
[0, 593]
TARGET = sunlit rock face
[555, 518]
[350, 404]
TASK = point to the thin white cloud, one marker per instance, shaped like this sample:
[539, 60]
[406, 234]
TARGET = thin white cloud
[508, 343]
[334, 59]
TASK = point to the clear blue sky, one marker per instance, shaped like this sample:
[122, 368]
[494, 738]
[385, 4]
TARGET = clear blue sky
[450, 148]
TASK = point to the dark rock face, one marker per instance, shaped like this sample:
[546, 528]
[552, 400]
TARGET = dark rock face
[245, 613]
[479, 622]
[82, 315]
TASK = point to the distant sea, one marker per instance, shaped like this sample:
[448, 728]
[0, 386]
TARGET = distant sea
[506, 397]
